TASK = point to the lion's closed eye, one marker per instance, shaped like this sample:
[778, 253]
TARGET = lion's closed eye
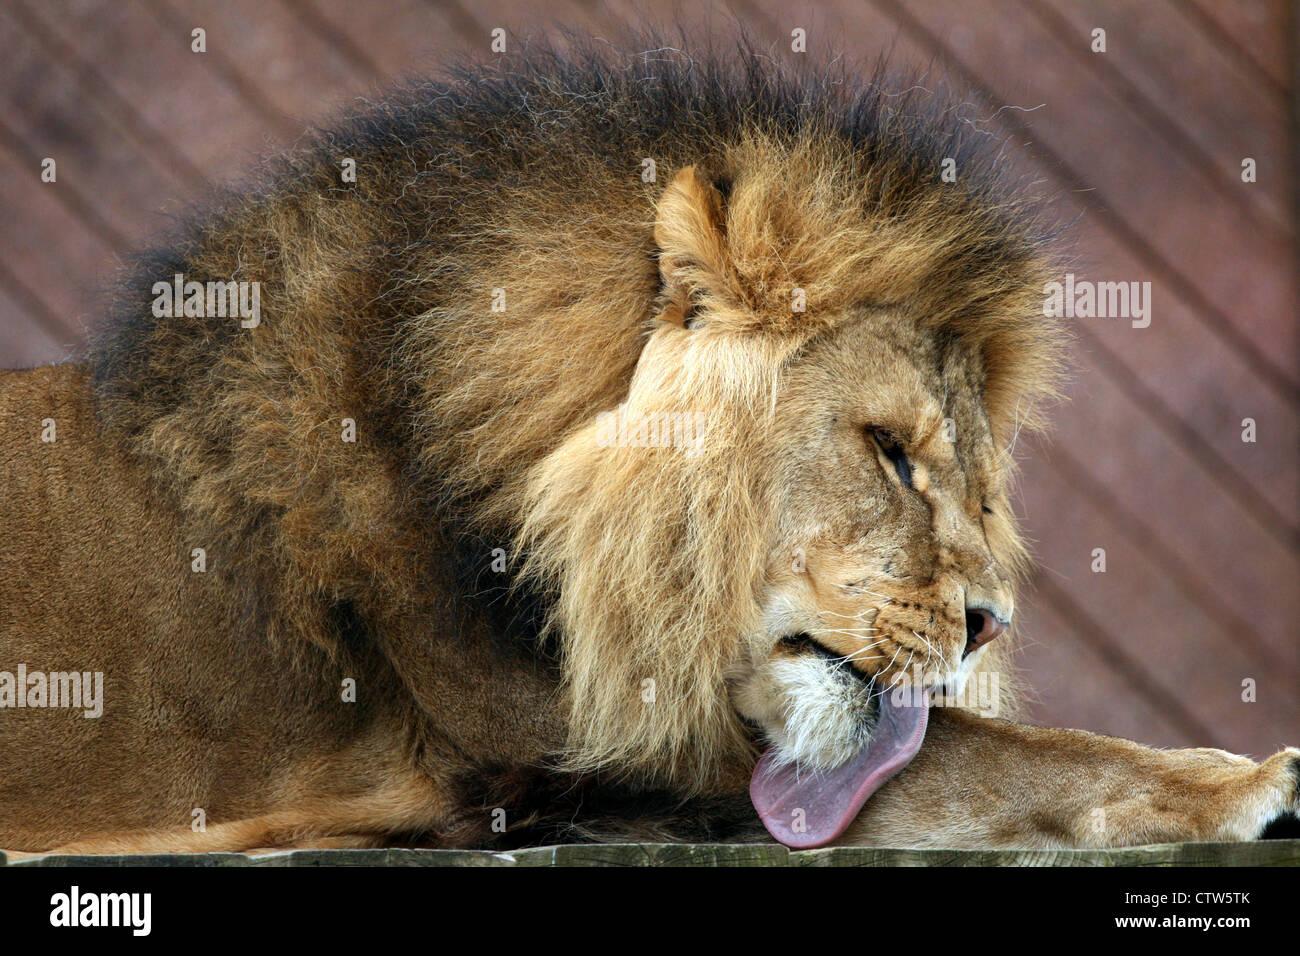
[893, 451]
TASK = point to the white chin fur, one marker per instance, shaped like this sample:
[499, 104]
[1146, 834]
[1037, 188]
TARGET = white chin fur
[814, 713]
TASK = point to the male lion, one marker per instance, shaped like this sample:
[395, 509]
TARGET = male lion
[539, 490]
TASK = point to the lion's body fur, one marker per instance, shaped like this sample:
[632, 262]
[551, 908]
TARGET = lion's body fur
[374, 559]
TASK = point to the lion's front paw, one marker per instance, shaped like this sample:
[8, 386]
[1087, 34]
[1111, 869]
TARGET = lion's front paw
[1281, 776]
[1211, 795]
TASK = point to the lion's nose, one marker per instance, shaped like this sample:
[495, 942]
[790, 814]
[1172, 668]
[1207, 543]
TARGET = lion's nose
[982, 625]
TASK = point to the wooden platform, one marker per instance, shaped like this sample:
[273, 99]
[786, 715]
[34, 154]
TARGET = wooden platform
[1267, 853]
[1140, 147]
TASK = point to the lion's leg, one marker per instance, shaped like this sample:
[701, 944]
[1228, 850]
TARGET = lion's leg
[272, 832]
[982, 783]
[321, 821]
[355, 841]
[224, 837]
[258, 835]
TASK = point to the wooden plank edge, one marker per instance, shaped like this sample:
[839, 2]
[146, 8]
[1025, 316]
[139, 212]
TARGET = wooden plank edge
[1259, 853]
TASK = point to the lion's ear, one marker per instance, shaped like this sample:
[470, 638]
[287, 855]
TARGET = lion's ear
[690, 228]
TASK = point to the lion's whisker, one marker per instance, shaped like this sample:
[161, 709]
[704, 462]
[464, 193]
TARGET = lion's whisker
[902, 671]
[857, 655]
[852, 617]
[932, 648]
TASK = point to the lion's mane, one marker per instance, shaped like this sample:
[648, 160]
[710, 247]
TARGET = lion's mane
[475, 427]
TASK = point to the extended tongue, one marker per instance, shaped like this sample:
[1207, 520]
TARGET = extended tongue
[805, 809]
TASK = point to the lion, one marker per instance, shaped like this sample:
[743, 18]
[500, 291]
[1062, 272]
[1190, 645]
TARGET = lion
[573, 447]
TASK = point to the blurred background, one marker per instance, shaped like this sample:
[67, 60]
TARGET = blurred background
[1141, 147]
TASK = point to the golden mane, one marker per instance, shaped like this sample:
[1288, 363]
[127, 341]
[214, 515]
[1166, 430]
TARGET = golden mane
[653, 555]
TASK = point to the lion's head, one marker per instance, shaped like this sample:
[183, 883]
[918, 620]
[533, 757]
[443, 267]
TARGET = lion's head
[802, 498]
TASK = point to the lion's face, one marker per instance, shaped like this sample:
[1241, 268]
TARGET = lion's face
[891, 539]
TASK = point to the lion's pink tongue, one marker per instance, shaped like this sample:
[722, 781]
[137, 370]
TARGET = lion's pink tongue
[804, 809]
